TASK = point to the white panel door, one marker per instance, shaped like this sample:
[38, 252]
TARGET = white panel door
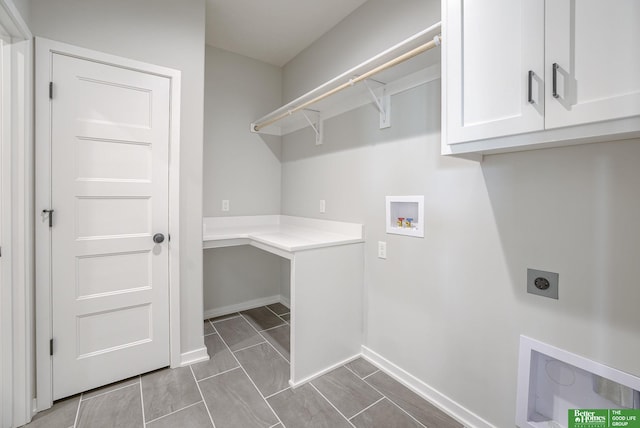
[596, 45]
[489, 49]
[109, 184]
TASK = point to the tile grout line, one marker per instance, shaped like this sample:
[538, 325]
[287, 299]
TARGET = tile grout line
[252, 326]
[202, 396]
[263, 399]
[264, 340]
[360, 377]
[175, 411]
[217, 374]
[394, 403]
[281, 315]
[75, 421]
[275, 349]
[252, 382]
[225, 319]
[345, 366]
[276, 393]
[331, 404]
[405, 412]
[369, 406]
[273, 328]
[249, 347]
[107, 392]
[369, 375]
[367, 383]
[274, 312]
[266, 329]
[144, 422]
[270, 344]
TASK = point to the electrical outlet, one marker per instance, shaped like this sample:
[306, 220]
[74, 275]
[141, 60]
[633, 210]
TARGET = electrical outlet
[225, 205]
[542, 283]
[323, 206]
[382, 250]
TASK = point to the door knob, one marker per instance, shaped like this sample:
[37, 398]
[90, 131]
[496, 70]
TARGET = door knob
[158, 238]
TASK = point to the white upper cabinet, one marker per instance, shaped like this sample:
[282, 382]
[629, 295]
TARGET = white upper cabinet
[521, 74]
[596, 46]
[491, 47]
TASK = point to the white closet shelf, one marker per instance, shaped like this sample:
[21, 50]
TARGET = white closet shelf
[344, 93]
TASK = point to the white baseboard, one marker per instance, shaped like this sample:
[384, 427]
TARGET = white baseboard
[195, 356]
[249, 304]
[447, 405]
[322, 372]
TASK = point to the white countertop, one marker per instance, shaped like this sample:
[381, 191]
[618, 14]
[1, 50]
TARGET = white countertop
[285, 233]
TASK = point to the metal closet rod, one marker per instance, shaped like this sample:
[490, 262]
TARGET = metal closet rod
[404, 57]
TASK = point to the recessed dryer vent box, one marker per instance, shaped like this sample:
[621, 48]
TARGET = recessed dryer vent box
[552, 381]
[405, 215]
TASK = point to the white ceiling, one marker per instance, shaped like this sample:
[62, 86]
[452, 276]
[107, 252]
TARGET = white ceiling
[272, 31]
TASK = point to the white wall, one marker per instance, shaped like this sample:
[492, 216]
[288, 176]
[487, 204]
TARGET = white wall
[449, 308]
[385, 23]
[237, 275]
[241, 167]
[170, 34]
[24, 8]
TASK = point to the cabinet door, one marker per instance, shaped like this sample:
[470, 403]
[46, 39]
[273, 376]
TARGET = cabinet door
[596, 45]
[489, 47]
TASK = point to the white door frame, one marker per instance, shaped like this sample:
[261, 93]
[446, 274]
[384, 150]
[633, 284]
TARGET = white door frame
[44, 53]
[6, 311]
[16, 315]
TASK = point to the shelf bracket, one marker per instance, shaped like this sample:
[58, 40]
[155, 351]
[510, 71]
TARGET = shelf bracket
[317, 125]
[383, 104]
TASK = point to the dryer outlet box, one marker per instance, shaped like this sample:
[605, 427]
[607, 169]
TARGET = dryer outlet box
[542, 283]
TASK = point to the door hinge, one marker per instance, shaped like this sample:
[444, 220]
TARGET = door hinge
[51, 347]
[50, 90]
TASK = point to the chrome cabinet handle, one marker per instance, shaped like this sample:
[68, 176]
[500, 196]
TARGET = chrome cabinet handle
[530, 90]
[555, 80]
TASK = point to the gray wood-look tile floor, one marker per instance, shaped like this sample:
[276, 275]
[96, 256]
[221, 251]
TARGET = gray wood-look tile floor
[245, 384]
